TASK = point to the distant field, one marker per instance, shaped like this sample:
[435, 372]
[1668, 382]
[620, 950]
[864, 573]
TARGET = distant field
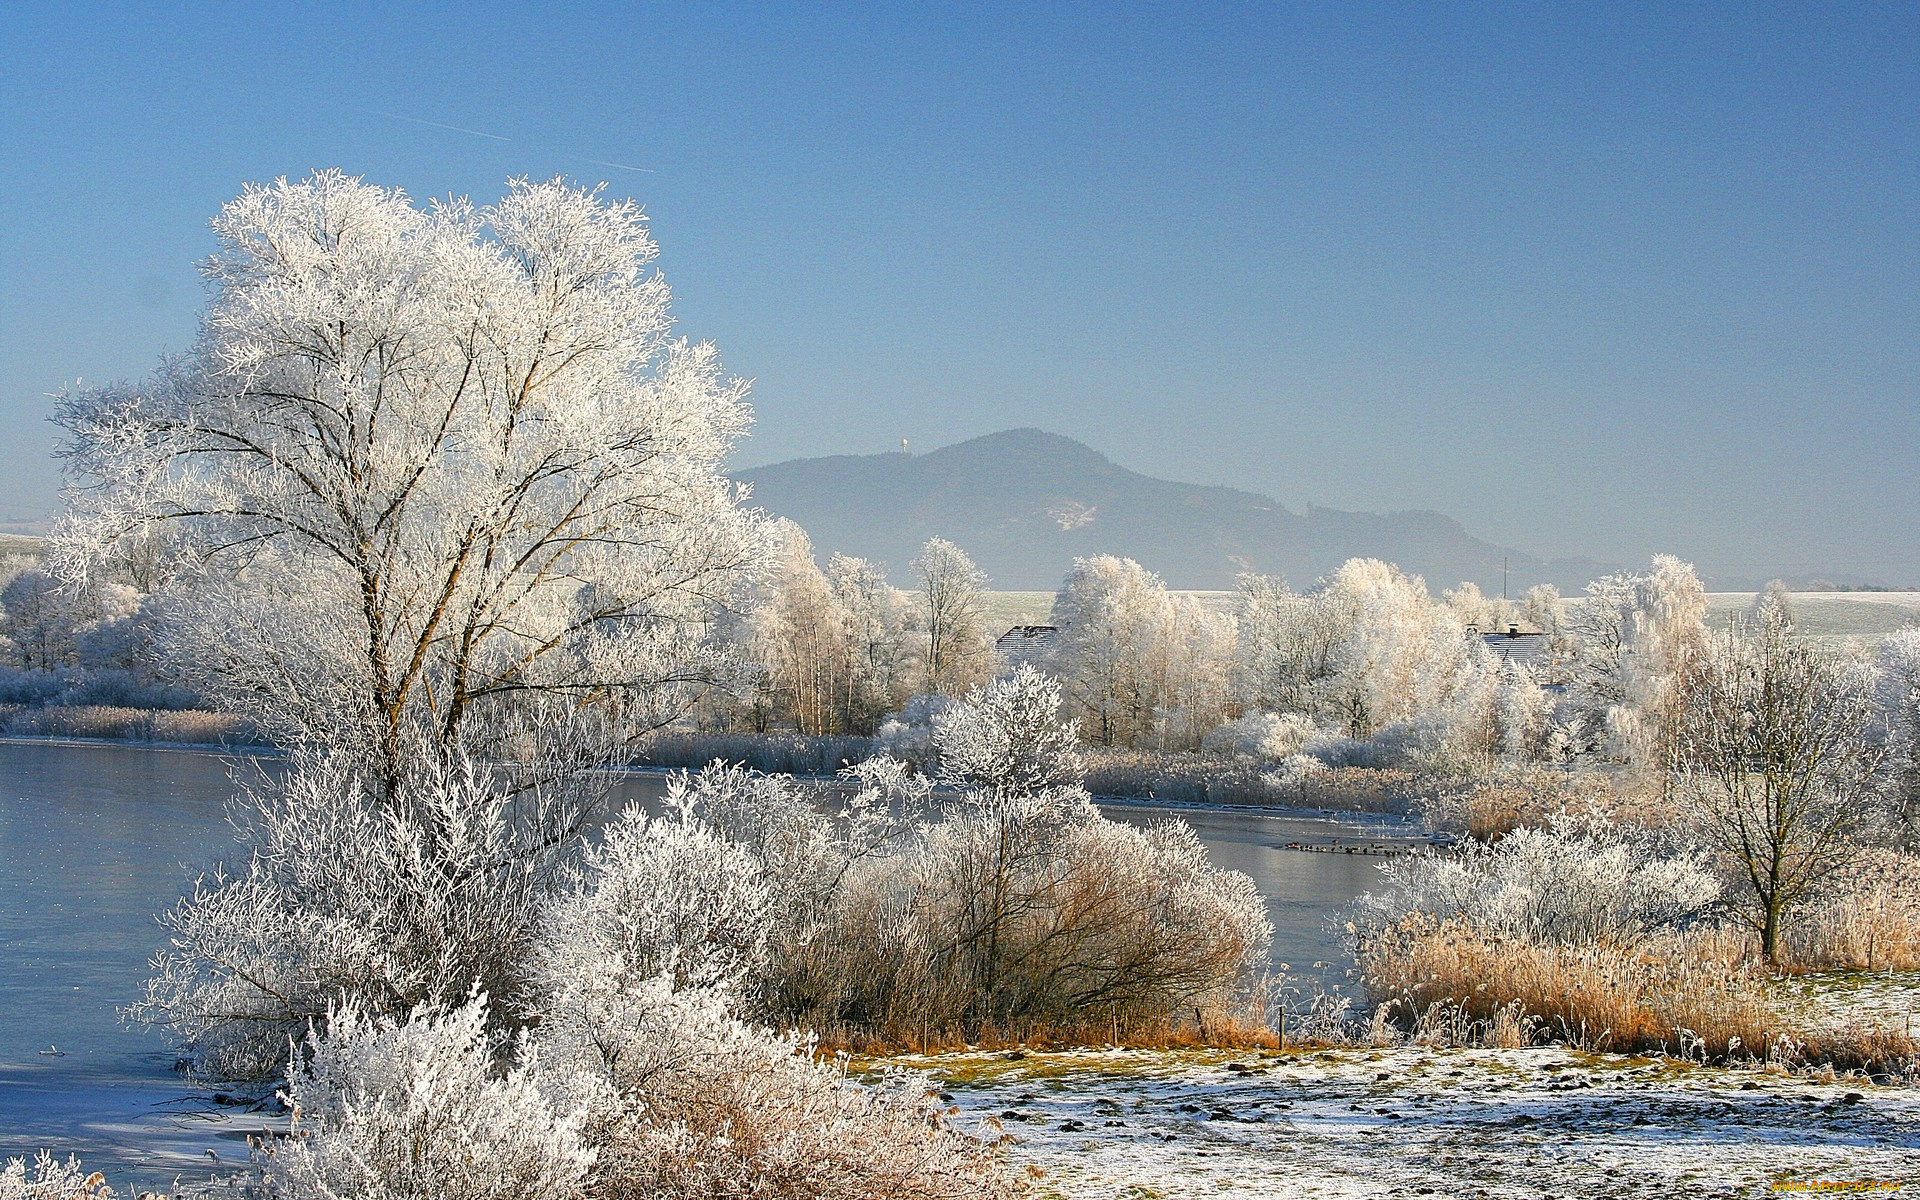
[13, 543]
[1864, 615]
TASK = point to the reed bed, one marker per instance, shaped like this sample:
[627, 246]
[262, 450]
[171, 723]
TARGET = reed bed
[177, 726]
[1693, 994]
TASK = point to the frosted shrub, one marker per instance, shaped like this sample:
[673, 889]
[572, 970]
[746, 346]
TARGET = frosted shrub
[682, 1097]
[413, 1109]
[1021, 907]
[48, 1178]
[685, 1101]
[908, 734]
[343, 897]
[1574, 883]
[666, 896]
[1262, 736]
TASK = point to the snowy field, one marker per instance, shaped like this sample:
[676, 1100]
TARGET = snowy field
[1421, 1122]
[1826, 615]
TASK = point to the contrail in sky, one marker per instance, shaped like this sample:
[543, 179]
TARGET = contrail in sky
[618, 166]
[437, 125]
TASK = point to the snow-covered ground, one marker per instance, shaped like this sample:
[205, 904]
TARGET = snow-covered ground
[1415, 1121]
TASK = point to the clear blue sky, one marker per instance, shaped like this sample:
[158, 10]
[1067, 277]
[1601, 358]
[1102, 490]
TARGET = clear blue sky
[1602, 280]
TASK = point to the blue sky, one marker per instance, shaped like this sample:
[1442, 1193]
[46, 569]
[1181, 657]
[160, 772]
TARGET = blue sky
[1594, 279]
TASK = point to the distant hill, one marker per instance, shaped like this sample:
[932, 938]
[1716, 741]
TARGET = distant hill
[1025, 503]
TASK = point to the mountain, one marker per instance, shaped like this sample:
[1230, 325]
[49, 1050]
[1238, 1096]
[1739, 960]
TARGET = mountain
[1025, 503]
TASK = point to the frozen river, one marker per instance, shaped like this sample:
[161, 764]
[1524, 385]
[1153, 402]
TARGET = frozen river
[94, 839]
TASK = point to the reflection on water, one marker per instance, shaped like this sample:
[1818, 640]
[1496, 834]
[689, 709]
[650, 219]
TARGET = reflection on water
[94, 839]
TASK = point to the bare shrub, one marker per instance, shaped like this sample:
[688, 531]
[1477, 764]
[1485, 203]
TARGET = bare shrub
[1016, 906]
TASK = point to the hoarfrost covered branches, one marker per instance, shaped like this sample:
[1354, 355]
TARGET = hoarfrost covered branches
[958, 653]
[426, 469]
[1579, 882]
[48, 1178]
[347, 900]
[414, 1109]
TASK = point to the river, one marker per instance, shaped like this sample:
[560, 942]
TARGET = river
[95, 839]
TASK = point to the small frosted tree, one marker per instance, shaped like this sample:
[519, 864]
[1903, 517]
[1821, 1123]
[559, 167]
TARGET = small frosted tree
[433, 476]
[958, 652]
[1779, 751]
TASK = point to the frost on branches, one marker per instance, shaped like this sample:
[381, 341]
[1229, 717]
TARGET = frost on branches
[435, 476]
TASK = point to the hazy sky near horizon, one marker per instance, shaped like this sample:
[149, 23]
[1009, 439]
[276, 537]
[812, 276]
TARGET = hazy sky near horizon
[1598, 280]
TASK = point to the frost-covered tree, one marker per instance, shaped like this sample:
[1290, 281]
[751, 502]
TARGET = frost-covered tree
[1366, 649]
[45, 625]
[1485, 613]
[1137, 662]
[1635, 638]
[1780, 753]
[434, 475]
[877, 622]
[959, 651]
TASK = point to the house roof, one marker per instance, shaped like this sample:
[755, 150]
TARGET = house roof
[1025, 643]
[1519, 649]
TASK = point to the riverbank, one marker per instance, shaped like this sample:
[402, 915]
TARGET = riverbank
[1408, 1121]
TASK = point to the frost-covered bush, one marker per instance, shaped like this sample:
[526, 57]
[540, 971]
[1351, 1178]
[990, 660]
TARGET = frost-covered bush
[908, 734]
[682, 1097]
[1262, 736]
[1014, 903]
[684, 1100]
[1574, 883]
[415, 1109]
[667, 897]
[346, 898]
[48, 1178]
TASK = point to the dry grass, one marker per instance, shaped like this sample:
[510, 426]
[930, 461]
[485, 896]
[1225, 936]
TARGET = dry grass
[1212, 1027]
[1693, 995]
[1487, 809]
[185, 726]
[1869, 918]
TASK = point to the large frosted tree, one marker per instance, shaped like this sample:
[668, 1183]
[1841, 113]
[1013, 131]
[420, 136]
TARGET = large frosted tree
[440, 476]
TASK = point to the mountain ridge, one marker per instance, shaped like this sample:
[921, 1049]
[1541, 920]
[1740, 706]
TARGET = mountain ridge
[1025, 502]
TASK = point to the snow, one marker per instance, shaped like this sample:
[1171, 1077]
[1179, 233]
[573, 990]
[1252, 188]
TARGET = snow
[1419, 1121]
